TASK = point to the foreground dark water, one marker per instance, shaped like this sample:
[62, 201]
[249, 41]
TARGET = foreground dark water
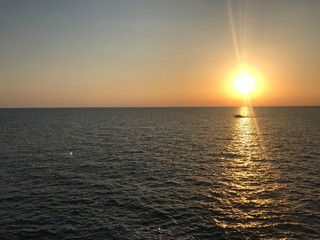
[162, 173]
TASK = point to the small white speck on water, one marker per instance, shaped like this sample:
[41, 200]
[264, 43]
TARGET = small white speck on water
[71, 153]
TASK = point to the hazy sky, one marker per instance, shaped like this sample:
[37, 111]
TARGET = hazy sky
[156, 52]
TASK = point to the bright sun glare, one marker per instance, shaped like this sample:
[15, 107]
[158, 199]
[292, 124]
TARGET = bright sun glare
[245, 83]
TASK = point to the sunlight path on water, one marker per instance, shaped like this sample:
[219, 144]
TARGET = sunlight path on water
[256, 126]
[248, 180]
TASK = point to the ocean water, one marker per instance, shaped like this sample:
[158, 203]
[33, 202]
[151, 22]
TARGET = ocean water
[160, 173]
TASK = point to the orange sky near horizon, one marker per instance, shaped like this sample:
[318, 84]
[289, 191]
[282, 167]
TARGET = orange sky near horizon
[157, 53]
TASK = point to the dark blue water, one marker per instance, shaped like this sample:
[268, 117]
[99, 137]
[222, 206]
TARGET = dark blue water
[160, 173]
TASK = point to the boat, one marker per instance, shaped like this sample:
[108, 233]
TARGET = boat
[239, 116]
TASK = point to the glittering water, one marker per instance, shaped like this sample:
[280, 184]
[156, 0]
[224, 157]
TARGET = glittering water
[161, 173]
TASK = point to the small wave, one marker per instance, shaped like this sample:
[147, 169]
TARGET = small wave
[230, 155]
[35, 234]
[309, 157]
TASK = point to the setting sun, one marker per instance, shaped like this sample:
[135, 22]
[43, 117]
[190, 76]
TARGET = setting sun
[245, 83]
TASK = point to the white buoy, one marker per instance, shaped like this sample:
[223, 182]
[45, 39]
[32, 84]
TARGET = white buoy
[71, 153]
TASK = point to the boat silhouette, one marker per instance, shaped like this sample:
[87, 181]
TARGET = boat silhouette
[239, 116]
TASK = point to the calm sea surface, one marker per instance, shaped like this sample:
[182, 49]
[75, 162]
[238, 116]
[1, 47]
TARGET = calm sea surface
[160, 173]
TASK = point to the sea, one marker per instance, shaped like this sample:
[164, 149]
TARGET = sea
[160, 173]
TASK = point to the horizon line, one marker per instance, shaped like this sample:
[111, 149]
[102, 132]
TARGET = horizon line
[109, 107]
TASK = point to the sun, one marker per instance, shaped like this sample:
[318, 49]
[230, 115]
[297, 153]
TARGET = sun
[245, 83]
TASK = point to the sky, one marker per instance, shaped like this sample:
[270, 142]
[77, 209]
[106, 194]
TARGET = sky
[151, 53]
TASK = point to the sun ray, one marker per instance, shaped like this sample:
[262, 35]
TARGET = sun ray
[234, 35]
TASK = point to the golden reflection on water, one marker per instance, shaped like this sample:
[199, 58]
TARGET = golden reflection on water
[247, 180]
[247, 137]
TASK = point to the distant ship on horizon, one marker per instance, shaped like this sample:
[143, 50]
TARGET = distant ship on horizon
[239, 116]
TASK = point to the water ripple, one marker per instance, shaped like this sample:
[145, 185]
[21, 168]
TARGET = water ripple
[177, 173]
